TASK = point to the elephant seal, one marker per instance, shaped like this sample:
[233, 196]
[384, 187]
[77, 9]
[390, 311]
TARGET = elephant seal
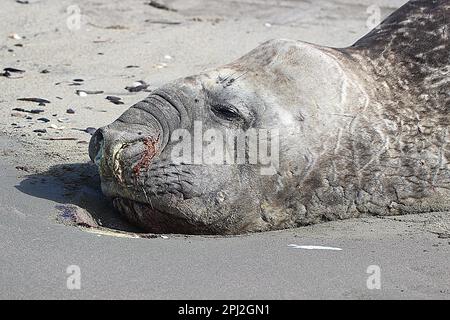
[317, 134]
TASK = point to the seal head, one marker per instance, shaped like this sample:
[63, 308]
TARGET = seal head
[291, 134]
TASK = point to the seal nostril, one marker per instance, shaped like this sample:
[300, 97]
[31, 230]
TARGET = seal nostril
[96, 146]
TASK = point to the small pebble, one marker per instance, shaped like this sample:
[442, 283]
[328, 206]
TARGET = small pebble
[36, 111]
[90, 130]
[161, 65]
[54, 126]
[114, 99]
[40, 130]
[70, 111]
[137, 86]
[15, 36]
[138, 83]
[43, 119]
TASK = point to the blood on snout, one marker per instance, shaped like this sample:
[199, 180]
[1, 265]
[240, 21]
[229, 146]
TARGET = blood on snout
[147, 156]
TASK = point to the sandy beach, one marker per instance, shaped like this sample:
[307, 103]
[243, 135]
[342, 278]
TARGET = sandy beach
[68, 57]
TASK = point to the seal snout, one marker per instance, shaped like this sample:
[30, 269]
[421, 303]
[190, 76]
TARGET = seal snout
[114, 150]
[96, 146]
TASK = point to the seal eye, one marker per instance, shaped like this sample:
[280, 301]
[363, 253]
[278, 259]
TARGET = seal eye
[226, 112]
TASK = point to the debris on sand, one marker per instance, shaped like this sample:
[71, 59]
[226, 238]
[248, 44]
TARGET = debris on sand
[45, 120]
[75, 82]
[17, 114]
[84, 93]
[296, 246]
[27, 1]
[131, 66]
[70, 111]
[161, 6]
[75, 216]
[54, 126]
[102, 41]
[137, 86]
[61, 139]
[40, 101]
[15, 36]
[45, 71]
[7, 72]
[161, 65]
[163, 22]
[116, 27]
[114, 99]
[40, 130]
[34, 111]
[111, 27]
[90, 130]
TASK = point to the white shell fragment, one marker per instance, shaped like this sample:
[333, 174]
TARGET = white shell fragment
[296, 246]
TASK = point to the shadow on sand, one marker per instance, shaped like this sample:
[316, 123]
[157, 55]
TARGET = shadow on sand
[77, 188]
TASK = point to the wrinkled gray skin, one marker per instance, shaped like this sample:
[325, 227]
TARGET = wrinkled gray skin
[362, 130]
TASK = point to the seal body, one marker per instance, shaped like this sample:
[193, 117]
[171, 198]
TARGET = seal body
[291, 134]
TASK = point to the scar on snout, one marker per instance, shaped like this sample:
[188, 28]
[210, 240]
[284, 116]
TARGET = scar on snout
[147, 156]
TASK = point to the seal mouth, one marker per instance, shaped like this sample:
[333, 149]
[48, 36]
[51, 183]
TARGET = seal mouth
[155, 220]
